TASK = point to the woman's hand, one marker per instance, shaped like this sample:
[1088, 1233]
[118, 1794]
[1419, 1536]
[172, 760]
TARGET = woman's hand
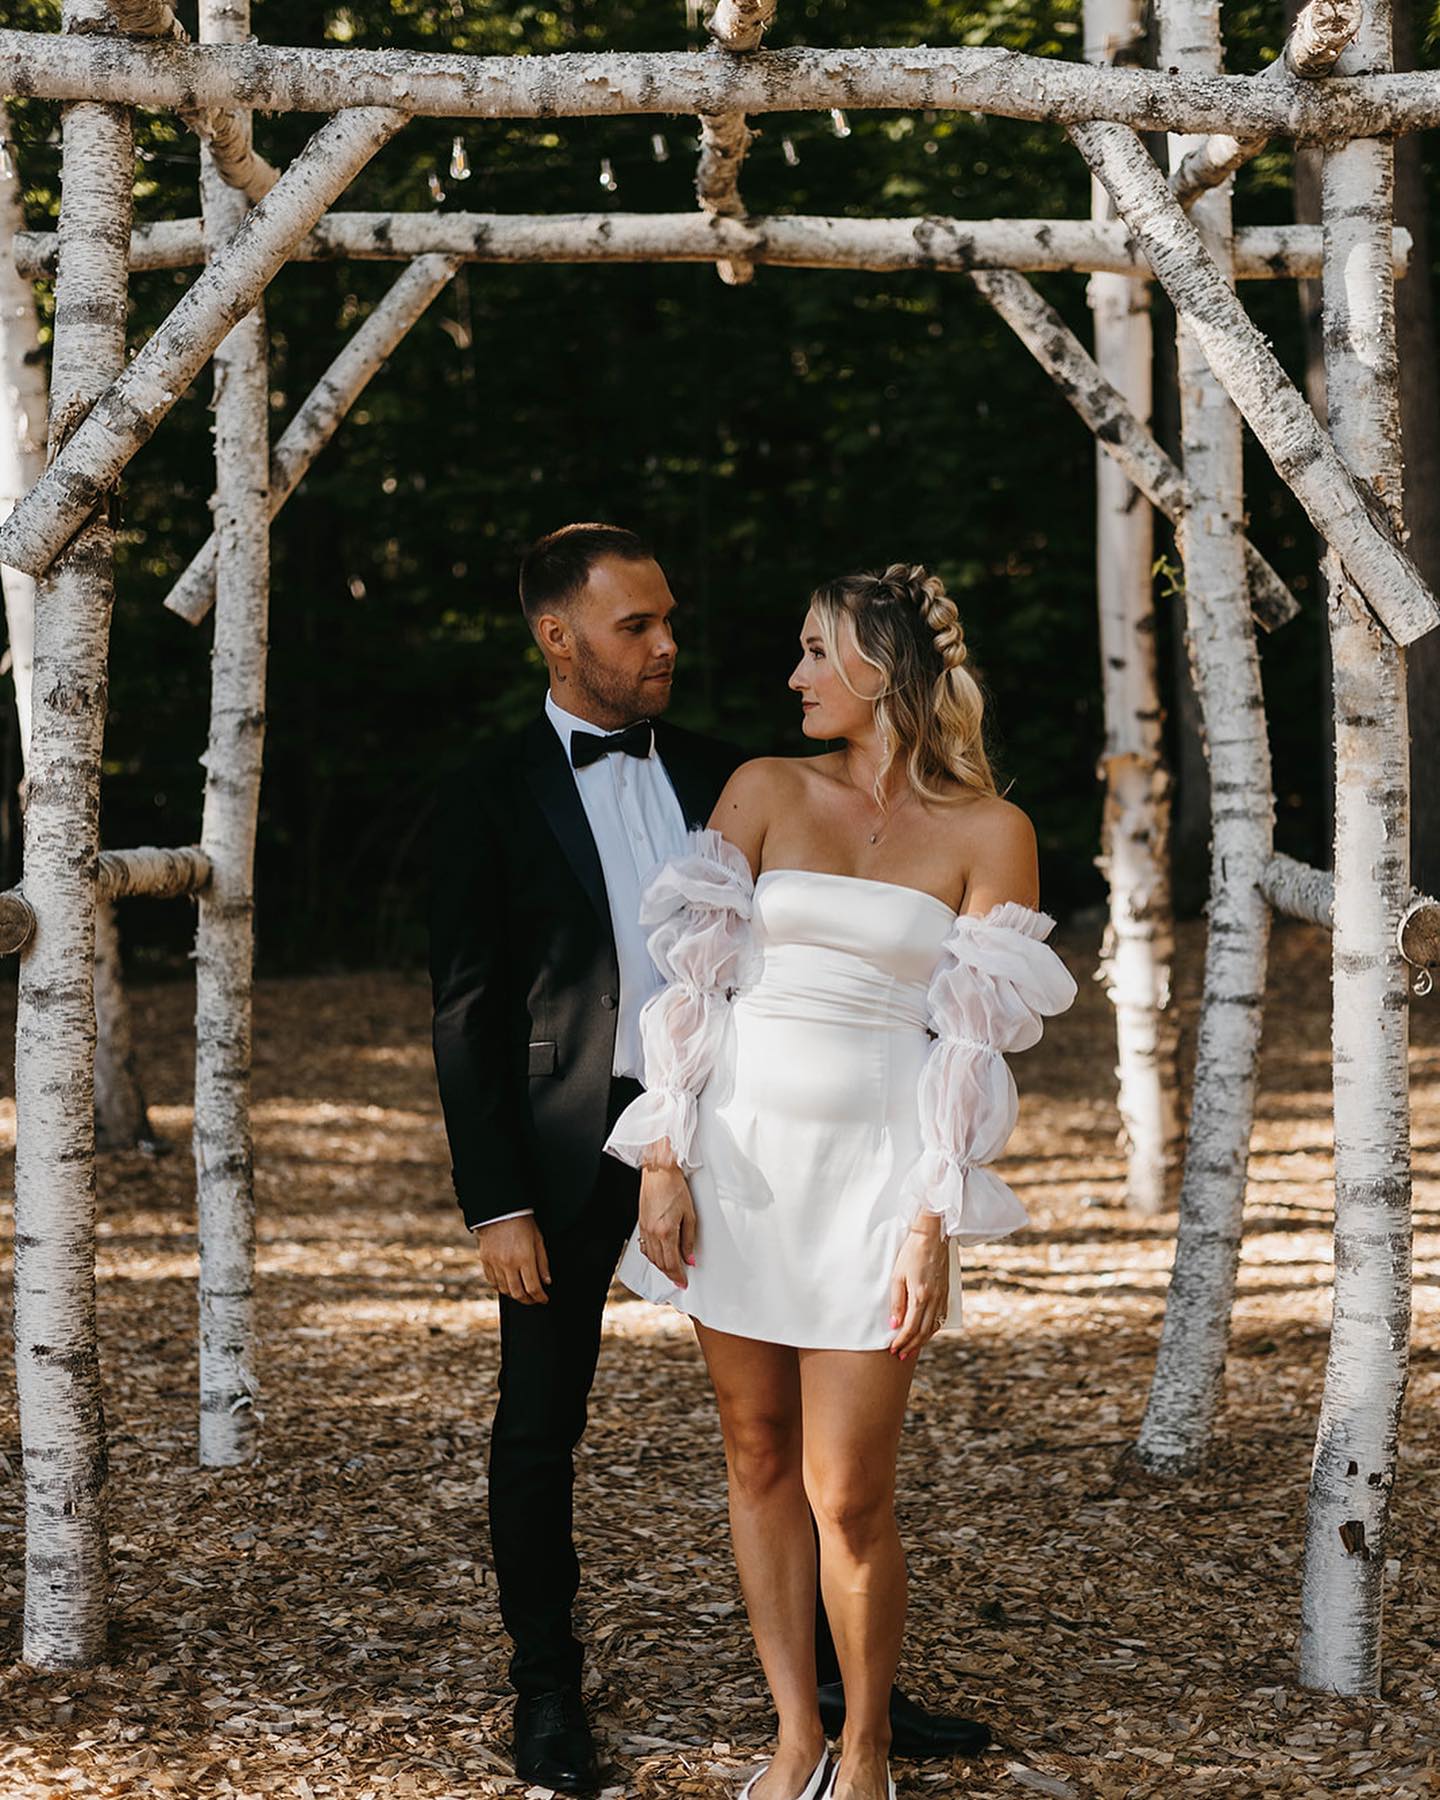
[919, 1287]
[667, 1221]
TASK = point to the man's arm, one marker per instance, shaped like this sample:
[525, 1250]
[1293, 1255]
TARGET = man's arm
[478, 1062]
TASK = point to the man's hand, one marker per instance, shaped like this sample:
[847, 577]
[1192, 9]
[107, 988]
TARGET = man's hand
[513, 1259]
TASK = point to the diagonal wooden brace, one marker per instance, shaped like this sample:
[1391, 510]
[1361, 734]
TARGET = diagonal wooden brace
[319, 418]
[127, 414]
[1065, 359]
[1343, 512]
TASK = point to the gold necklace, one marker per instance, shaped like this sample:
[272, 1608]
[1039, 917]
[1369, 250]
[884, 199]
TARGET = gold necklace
[879, 830]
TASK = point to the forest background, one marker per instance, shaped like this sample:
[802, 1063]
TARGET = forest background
[763, 438]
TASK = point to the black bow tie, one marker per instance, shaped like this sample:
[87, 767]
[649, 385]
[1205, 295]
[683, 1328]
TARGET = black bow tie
[635, 740]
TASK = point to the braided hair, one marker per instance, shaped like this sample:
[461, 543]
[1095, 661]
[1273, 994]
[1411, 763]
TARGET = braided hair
[930, 709]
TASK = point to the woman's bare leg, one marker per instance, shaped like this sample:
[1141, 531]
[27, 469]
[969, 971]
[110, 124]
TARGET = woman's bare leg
[758, 1388]
[853, 1404]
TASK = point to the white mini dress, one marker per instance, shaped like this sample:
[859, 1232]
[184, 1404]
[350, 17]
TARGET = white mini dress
[827, 1061]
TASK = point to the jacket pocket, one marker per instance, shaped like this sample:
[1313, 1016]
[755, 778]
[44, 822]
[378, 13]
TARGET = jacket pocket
[543, 1057]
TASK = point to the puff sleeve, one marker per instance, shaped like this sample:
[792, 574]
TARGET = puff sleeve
[995, 981]
[697, 906]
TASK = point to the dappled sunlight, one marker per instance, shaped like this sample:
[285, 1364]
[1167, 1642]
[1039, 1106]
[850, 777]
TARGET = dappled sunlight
[326, 1616]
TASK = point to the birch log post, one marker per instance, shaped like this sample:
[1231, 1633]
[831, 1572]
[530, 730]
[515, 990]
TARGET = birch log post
[131, 409]
[225, 939]
[1354, 1467]
[1139, 942]
[320, 416]
[226, 135]
[1185, 1391]
[1320, 33]
[121, 1117]
[1120, 434]
[62, 1427]
[737, 26]
[1262, 252]
[22, 422]
[276, 78]
[1246, 367]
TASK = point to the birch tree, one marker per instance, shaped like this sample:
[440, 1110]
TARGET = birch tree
[121, 1118]
[1185, 1392]
[1135, 830]
[1355, 1448]
[225, 938]
[57, 1360]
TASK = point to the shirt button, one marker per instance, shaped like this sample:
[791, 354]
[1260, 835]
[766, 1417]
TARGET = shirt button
[608, 1002]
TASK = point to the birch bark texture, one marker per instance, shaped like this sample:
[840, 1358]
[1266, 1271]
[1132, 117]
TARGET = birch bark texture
[606, 84]
[121, 1116]
[23, 407]
[225, 937]
[737, 26]
[797, 241]
[1243, 362]
[323, 410]
[62, 1426]
[127, 415]
[1185, 1391]
[1139, 947]
[1319, 35]
[1353, 1473]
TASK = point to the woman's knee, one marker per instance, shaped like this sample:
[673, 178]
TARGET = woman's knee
[762, 1452]
[851, 1507]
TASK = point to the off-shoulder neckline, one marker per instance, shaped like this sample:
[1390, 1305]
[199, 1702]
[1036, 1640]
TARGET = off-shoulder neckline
[904, 887]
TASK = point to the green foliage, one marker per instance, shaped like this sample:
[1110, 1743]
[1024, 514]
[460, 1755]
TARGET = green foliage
[763, 437]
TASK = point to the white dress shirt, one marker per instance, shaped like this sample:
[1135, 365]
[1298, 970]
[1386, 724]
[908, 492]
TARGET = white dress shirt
[636, 821]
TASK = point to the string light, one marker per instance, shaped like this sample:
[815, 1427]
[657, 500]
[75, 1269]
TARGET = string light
[839, 121]
[607, 176]
[692, 15]
[7, 165]
[437, 193]
[659, 149]
[459, 161]
[791, 154]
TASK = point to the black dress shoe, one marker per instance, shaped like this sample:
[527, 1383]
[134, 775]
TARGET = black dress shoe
[914, 1732]
[553, 1745]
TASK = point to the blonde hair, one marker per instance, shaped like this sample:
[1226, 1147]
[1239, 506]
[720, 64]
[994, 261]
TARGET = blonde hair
[930, 709]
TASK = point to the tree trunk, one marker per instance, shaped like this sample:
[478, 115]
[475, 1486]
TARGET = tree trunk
[1185, 1393]
[62, 1423]
[121, 1120]
[1135, 832]
[224, 948]
[1354, 1466]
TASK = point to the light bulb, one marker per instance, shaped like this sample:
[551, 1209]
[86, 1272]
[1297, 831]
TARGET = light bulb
[437, 193]
[607, 176]
[659, 149]
[839, 121]
[459, 161]
[7, 166]
[792, 155]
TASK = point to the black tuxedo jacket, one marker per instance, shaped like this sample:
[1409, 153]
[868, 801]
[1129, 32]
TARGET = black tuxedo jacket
[523, 968]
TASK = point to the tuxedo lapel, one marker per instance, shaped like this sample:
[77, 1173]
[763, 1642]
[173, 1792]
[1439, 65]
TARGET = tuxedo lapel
[693, 788]
[554, 788]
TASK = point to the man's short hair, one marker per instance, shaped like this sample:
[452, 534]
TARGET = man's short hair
[555, 569]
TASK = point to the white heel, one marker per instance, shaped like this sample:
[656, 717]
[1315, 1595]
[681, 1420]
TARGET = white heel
[818, 1785]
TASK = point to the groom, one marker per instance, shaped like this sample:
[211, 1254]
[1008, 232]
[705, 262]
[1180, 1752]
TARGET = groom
[539, 969]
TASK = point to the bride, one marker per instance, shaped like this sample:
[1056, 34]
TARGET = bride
[849, 949]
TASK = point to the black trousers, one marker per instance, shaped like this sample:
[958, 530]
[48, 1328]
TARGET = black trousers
[547, 1365]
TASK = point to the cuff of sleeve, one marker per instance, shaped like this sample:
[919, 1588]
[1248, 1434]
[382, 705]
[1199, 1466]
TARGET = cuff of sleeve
[525, 1212]
[973, 1201]
[656, 1116]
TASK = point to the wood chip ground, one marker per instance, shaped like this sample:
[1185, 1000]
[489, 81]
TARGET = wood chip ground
[323, 1623]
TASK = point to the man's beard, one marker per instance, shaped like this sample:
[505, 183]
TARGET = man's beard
[624, 696]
